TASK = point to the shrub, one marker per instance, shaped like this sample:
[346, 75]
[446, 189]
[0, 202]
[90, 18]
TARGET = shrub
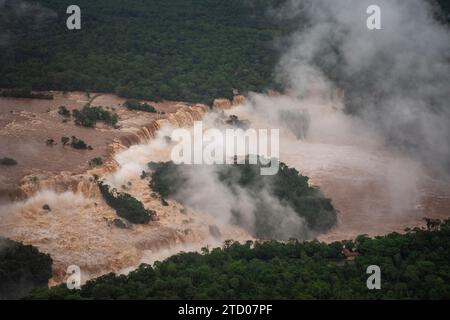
[78, 144]
[96, 162]
[62, 110]
[133, 104]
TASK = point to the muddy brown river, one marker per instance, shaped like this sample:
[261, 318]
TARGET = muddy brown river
[375, 188]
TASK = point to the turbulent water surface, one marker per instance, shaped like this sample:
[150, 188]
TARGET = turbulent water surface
[376, 189]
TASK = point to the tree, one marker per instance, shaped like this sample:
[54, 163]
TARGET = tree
[88, 116]
[62, 110]
[96, 162]
[78, 144]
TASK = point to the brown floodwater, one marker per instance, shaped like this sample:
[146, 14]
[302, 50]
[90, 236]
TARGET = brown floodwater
[79, 227]
[375, 189]
[26, 125]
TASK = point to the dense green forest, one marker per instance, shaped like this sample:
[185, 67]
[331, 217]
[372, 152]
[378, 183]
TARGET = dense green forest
[415, 265]
[288, 187]
[187, 50]
[22, 267]
[150, 49]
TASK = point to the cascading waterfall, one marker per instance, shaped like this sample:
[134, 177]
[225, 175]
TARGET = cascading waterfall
[64, 214]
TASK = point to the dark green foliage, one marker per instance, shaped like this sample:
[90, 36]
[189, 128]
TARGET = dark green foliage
[25, 93]
[8, 161]
[95, 162]
[288, 186]
[22, 267]
[62, 110]
[119, 224]
[166, 180]
[126, 206]
[415, 265]
[151, 50]
[65, 140]
[78, 144]
[88, 116]
[134, 104]
[291, 187]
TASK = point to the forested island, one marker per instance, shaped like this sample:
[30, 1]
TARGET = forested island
[287, 188]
